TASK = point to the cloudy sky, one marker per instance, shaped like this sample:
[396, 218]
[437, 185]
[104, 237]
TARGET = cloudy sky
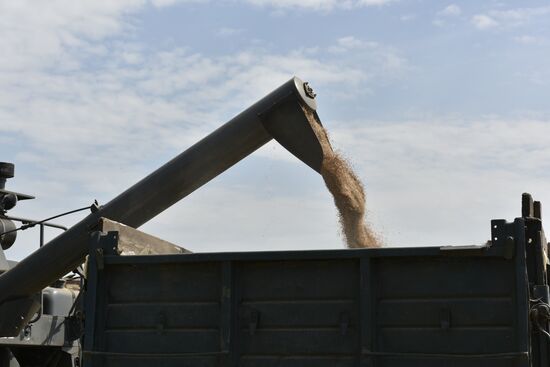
[442, 108]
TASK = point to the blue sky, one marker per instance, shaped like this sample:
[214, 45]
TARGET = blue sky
[441, 107]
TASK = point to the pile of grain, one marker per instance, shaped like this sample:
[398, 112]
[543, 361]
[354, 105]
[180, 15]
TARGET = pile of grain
[347, 190]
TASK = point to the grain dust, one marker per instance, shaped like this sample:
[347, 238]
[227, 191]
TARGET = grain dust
[347, 190]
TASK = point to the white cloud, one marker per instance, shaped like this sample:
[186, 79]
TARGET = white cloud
[77, 133]
[167, 3]
[209, 221]
[460, 173]
[510, 17]
[319, 4]
[165, 95]
[374, 2]
[88, 132]
[528, 40]
[39, 34]
[535, 76]
[451, 11]
[438, 22]
[347, 43]
[407, 17]
[481, 21]
[446, 15]
[520, 16]
[228, 32]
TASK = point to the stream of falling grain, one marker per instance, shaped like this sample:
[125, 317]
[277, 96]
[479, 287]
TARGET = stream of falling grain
[347, 190]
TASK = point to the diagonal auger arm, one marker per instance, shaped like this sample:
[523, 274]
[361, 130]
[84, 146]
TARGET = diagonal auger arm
[279, 115]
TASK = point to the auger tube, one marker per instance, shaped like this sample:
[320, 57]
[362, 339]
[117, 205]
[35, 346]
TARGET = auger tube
[279, 115]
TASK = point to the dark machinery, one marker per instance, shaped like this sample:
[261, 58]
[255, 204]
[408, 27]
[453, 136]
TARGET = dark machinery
[8, 200]
[462, 306]
[279, 115]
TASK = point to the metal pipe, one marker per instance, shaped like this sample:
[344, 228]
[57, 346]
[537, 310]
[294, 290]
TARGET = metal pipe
[28, 221]
[279, 115]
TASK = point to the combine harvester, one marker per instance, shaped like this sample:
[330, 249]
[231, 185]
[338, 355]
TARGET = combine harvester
[163, 306]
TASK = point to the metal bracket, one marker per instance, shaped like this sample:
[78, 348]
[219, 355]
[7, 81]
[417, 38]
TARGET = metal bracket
[106, 244]
[502, 240]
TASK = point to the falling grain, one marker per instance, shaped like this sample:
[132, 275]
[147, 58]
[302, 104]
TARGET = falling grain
[347, 190]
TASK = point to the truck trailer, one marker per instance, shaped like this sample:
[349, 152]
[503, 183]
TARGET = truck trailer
[136, 300]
